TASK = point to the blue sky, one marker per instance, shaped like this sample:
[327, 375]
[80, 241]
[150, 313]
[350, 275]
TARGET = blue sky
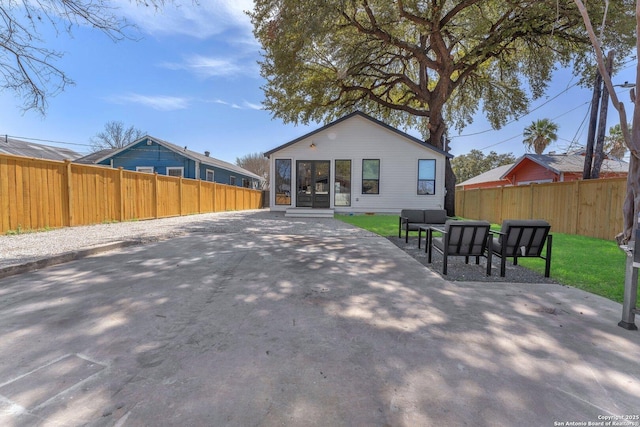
[193, 79]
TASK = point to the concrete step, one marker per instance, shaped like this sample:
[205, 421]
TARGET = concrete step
[308, 213]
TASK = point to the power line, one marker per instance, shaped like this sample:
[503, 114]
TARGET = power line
[520, 117]
[47, 140]
[631, 61]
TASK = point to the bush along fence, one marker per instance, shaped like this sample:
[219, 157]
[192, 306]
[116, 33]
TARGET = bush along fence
[38, 194]
[589, 208]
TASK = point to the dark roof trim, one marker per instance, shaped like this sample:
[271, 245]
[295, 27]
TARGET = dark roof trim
[365, 116]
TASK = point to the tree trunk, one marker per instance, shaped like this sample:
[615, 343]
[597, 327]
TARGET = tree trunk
[450, 188]
[602, 124]
[631, 202]
[593, 122]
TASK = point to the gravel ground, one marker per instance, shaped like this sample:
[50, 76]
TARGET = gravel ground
[29, 247]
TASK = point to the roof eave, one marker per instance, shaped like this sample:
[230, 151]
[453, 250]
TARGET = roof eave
[268, 154]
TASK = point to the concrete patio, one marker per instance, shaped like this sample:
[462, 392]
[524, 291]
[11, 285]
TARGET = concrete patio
[272, 326]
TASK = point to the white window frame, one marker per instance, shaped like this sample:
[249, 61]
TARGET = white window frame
[362, 178]
[435, 188]
[213, 175]
[144, 169]
[536, 181]
[232, 180]
[174, 168]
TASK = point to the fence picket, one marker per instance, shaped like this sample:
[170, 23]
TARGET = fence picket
[36, 193]
[589, 207]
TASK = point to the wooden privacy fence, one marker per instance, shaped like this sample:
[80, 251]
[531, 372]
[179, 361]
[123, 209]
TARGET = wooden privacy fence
[588, 208]
[36, 194]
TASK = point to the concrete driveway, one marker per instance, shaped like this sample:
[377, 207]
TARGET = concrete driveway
[320, 327]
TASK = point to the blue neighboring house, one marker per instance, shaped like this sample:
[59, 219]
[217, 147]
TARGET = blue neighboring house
[149, 154]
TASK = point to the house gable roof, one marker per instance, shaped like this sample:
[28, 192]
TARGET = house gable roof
[183, 151]
[567, 163]
[365, 116]
[39, 151]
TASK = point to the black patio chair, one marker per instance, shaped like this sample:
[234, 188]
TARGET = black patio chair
[461, 238]
[523, 239]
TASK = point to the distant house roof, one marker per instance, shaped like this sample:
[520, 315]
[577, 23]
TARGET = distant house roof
[365, 116]
[568, 163]
[202, 158]
[493, 175]
[91, 159]
[39, 151]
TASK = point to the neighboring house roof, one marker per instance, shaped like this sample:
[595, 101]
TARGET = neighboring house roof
[365, 116]
[30, 149]
[91, 159]
[493, 175]
[202, 158]
[568, 163]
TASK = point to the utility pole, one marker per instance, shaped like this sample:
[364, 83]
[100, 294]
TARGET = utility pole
[593, 122]
[602, 123]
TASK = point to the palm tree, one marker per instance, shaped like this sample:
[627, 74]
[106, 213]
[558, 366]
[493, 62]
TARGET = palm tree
[539, 134]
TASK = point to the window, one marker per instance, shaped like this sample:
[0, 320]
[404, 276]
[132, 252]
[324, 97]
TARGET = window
[209, 175]
[145, 169]
[245, 183]
[371, 176]
[175, 171]
[426, 177]
[283, 181]
[232, 180]
[342, 183]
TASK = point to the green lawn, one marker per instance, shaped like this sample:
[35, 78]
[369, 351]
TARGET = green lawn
[593, 265]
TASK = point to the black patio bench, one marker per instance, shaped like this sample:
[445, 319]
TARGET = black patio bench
[413, 219]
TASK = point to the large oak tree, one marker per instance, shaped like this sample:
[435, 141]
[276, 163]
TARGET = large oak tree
[423, 64]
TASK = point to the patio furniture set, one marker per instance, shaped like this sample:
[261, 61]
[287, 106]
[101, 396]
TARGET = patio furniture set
[451, 237]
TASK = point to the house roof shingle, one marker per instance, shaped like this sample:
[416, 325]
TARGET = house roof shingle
[91, 159]
[488, 176]
[568, 163]
[39, 151]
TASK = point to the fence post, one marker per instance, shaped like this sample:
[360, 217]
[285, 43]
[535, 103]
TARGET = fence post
[501, 215]
[576, 220]
[180, 195]
[121, 193]
[156, 199]
[69, 192]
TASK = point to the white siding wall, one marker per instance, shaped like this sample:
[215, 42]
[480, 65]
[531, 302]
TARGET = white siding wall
[356, 139]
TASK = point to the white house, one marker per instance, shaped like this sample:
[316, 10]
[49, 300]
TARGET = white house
[356, 164]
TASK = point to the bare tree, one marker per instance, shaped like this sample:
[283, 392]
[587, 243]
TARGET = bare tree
[115, 135]
[27, 65]
[631, 206]
[256, 163]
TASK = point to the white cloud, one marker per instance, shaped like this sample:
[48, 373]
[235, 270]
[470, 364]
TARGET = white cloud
[207, 66]
[212, 66]
[158, 102]
[202, 20]
[252, 106]
[245, 105]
